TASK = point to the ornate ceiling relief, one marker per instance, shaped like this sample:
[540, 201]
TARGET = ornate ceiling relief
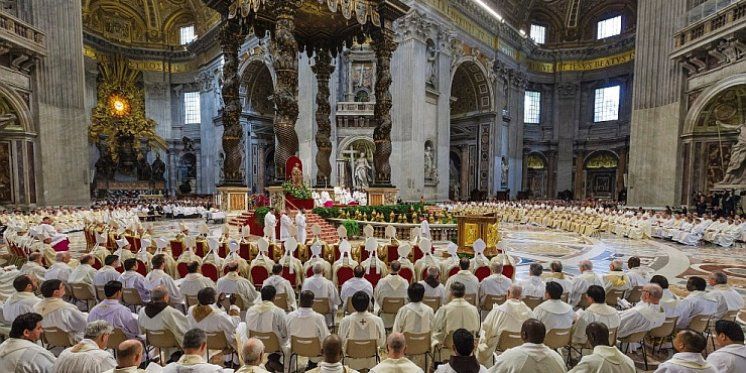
[146, 23]
[729, 107]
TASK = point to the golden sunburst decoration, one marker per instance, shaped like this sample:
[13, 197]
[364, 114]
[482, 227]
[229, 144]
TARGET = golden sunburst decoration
[119, 106]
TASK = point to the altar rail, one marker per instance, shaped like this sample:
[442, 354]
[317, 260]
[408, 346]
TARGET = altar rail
[439, 232]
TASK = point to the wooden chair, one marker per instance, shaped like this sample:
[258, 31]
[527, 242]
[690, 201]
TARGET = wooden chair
[433, 302]
[191, 300]
[557, 339]
[131, 297]
[270, 341]
[321, 306]
[100, 292]
[491, 300]
[83, 293]
[55, 337]
[117, 336]
[662, 333]
[472, 299]
[161, 339]
[419, 344]
[613, 296]
[699, 323]
[362, 349]
[218, 341]
[634, 295]
[636, 338]
[304, 347]
[391, 306]
[281, 301]
[532, 302]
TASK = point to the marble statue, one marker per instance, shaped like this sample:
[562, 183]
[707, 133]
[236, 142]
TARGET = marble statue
[505, 164]
[7, 119]
[362, 172]
[431, 170]
[432, 64]
[219, 166]
[734, 175]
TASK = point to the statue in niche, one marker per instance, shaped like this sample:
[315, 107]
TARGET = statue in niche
[158, 168]
[362, 172]
[431, 170]
[734, 174]
[505, 166]
[297, 176]
[432, 64]
[7, 119]
[143, 167]
[219, 166]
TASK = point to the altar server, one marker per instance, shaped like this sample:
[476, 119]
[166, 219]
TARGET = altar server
[270, 221]
[286, 224]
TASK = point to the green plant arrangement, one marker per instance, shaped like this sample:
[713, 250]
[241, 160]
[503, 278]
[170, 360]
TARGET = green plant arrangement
[259, 215]
[406, 209]
[353, 229]
[299, 192]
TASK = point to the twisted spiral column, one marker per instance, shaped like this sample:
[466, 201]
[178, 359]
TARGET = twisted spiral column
[323, 69]
[383, 45]
[230, 41]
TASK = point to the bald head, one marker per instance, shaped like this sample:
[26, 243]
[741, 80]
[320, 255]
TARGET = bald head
[616, 265]
[396, 344]
[129, 353]
[652, 293]
[252, 352]
[62, 257]
[515, 291]
[332, 349]
[585, 265]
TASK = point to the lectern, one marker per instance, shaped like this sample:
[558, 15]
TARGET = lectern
[474, 227]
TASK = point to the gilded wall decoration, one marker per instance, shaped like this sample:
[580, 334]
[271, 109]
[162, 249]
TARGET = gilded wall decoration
[602, 160]
[119, 126]
[534, 162]
[729, 106]
[6, 191]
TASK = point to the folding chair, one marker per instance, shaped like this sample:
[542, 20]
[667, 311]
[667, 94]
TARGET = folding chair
[490, 301]
[161, 339]
[419, 344]
[556, 339]
[131, 297]
[636, 338]
[613, 296]
[391, 306]
[270, 341]
[116, 337]
[433, 302]
[191, 300]
[362, 349]
[83, 292]
[217, 341]
[100, 292]
[281, 301]
[532, 302]
[634, 295]
[662, 333]
[472, 299]
[55, 337]
[303, 347]
[321, 306]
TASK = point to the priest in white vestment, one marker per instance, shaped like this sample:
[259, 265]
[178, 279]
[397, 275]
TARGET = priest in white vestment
[281, 285]
[462, 359]
[22, 352]
[306, 323]
[34, 266]
[233, 283]
[495, 284]
[415, 317]
[270, 221]
[534, 286]
[23, 300]
[581, 283]
[285, 226]
[638, 275]
[194, 281]
[696, 303]
[605, 358]
[59, 314]
[300, 225]
[597, 311]
[433, 287]
[456, 314]
[159, 315]
[644, 316]
[466, 277]
[362, 325]
[553, 312]
[84, 273]
[129, 355]
[730, 356]
[392, 287]
[323, 288]
[616, 279]
[158, 277]
[192, 361]
[131, 279]
[726, 298]
[357, 283]
[206, 316]
[532, 355]
[556, 275]
[108, 272]
[396, 360]
[688, 358]
[266, 317]
[89, 355]
[332, 362]
[61, 269]
[507, 317]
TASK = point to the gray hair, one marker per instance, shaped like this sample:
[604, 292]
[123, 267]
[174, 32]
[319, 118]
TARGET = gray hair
[318, 268]
[396, 342]
[617, 265]
[97, 328]
[585, 265]
[719, 277]
[194, 338]
[496, 267]
[433, 271]
[159, 293]
[515, 291]
[655, 291]
[458, 290]
[252, 351]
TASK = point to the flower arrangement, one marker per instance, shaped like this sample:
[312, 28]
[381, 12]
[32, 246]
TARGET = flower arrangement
[260, 200]
[299, 192]
[259, 215]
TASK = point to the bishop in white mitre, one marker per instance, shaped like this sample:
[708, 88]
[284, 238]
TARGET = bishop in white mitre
[293, 264]
[428, 259]
[345, 260]
[373, 263]
[262, 260]
[316, 249]
[234, 255]
[449, 263]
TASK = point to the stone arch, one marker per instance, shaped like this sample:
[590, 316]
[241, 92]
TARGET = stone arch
[537, 174]
[599, 156]
[19, 107]
[257, 85]
[346, 159]
[707, 96]
[600, 168]
[470, 69]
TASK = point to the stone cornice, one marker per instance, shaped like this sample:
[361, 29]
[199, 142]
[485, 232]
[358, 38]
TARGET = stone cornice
[179, 54]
